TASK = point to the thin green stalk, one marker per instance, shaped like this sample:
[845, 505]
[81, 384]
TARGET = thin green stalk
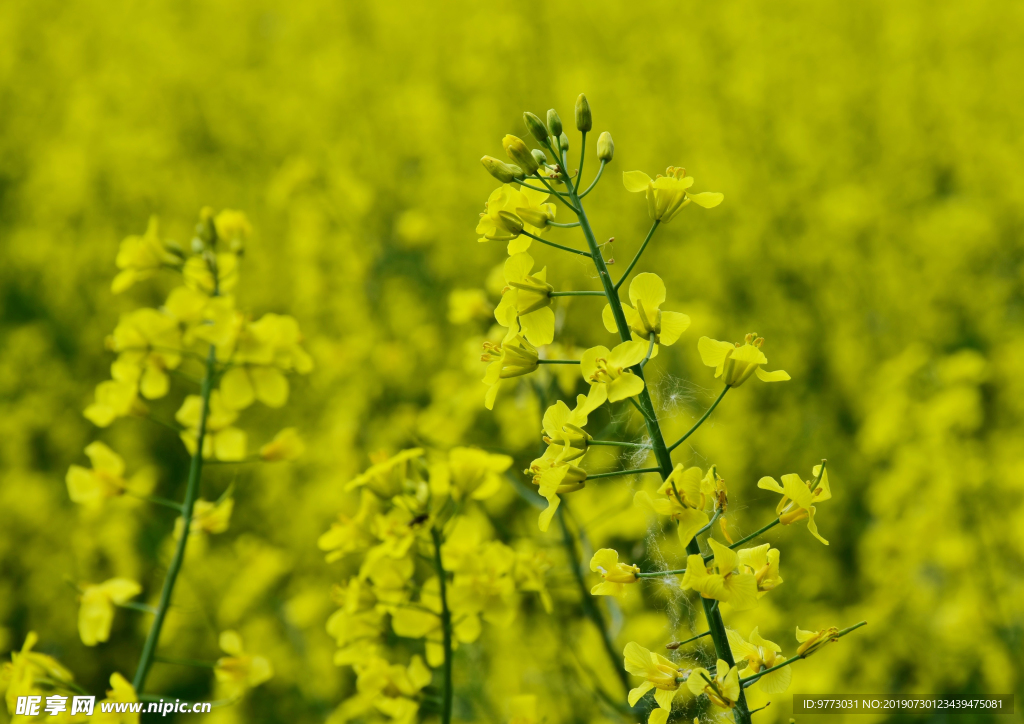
[576, 294]
[191, 493]
[747, 681]
[589, 606]
[557, 246]
[613, 473]
[716, 626]
[156, 500]
[756, 533]
[677, 644]
[135, 606]
[699, 422]
[583, 155]
[596, 179]
[558, 194]
[617, 443]
[659, 574]
[639, 253]
[558, 361]
[573, 225]
[446, 629]
[185, 662]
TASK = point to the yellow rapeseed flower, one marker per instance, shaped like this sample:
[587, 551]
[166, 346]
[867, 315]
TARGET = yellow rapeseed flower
[514, 357]
[529, 297]
[798, 499]
[667, 195]
[222, 442]
[286, 445]
[608, 371]
[684, 497]
[238, 670]
[723, 689]
[736, 362]
[722, 580]
[760, 654]
[96, 613]
[91, 486]
[763, 562]
[615, 575]
[554, 476]
[658, 673]
[142, 256]
[811, 641]
[645, 316]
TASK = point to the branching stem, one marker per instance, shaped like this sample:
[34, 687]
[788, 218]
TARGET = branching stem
[699, 422]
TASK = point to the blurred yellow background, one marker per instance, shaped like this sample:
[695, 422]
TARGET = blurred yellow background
[870, 158]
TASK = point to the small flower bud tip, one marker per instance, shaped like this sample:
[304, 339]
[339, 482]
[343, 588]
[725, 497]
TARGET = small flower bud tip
[536, 126]
[605, 147]
[498, 169]
[584, 121]
[563, 141]
[520, 154]
[539, 155]
[554, 123]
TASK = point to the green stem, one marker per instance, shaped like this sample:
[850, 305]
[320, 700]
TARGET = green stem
[558, 361]
[716, 626]
[156, 500]
[677, 644]
[756, 533]
[587, 601]
[636, 258]
[616, 443]
[573, 225]
[596, 179]
[191, 493]
[134, 606]
[576, 294]
[700, 422]
[613, 473]
[751, 679]
[583, 155]
[557, 246]
[659, 574]
[558, 194]
[446, 629]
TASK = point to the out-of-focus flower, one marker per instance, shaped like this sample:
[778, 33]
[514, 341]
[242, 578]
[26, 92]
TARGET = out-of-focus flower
[222, 441]
[96, 613]
[91, 486]
[238, 670]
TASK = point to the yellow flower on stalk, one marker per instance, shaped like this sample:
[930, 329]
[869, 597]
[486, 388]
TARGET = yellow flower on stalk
[683, 497]
[722, 580]
[105, 479]
[608, 371]
[760, 654]
[645, 317]
[615, 575]
[141, 256]
[763, 562]
[238, 670]
[564, 427]
[668, 194]
[96, 613]
[469, 472]
[120, 692]
[286, 445]
[514, 357]
[798, 498]
[555, 476]
[502, 221]
[811, 641]
[208, 517]
[527, 298]
[265, 349]
[222, 441]
[149, 340]
[723, 690]
[737, 362]
[198, 272]
[658, 673]
[25, 667]
[233, 228]
[116, 397]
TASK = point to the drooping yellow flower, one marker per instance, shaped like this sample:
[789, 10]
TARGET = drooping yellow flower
[286, 445]
[96, 613]
[645, 317]
[142, 256]
[722, 580]
[684, 497]
[502, 221]
[222, 441]
[469, 472]
[723, 690]
[615, 575]
[811, 641]
[564, 427]
[760, 654]
[105, 479]
[238, 670]
[736, 362]
[514, 357]
[151, 341]
[667, 195]
[658, 673]
[798, 499]
[529, 296]
[608, 371]
[555, 476]
[763, 562]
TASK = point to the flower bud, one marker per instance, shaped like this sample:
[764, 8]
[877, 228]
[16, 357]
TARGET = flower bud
[517, 173]
[563, 142]
[536, 127]
[605, 147]
[498, 169]
[518, 152]
[584, 121]
[536, 216]
[554, 123]
[542, 159]
[512, 223]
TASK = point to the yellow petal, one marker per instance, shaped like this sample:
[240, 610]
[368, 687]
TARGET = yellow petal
[608, 317]
[604, 558]
[649, 289]
[271, 386]
[707, 199]
[636, 181]
[623, 386]
[539, 326]
[690, 521]
[713, 352]
[673, 324]
[664, 698]
[776, 376]
[770, 483]
[628, 354]
[229, 444]
[236, 389]
[777, 681]
[636, 694]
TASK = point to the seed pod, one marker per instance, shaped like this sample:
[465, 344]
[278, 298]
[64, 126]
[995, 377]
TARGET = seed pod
[584, 121]
[498, 169]
[536, 127]
[554, 123]
[518, 152]
[605, 147]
